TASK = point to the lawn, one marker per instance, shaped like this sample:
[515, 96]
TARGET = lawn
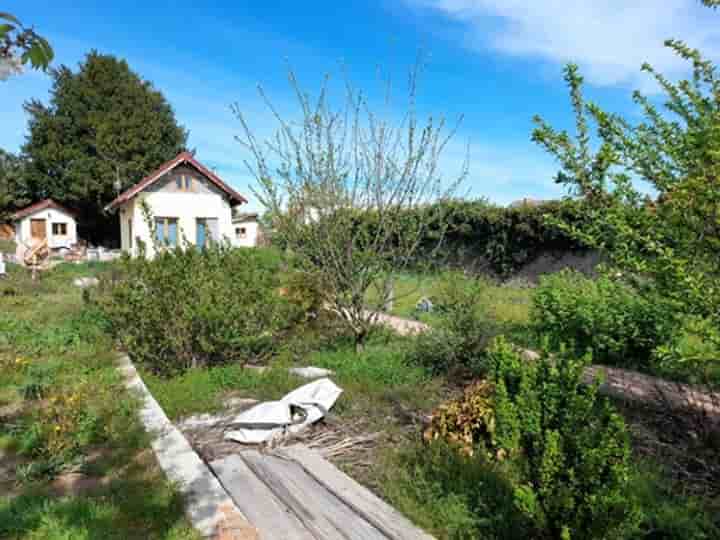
[73, 457]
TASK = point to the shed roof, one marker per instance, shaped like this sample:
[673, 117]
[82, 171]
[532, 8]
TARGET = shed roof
[184, 158]
[38, 206]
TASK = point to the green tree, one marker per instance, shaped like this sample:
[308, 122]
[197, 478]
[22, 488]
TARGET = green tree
[343, 185]
[674, 238]
[13, 190]
[19, 46]
[103, 130]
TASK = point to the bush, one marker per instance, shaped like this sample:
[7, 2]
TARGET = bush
[191, 308]
[466, 422]
[606, 316]
[573, 448]
[463, 330]
[693, 355]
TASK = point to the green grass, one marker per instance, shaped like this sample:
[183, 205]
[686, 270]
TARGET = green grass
[376, 378]
[57, 369]
[509, 305]
[7, 246]
[204, 390]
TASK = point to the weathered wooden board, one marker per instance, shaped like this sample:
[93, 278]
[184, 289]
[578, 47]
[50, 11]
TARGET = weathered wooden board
[325, 515]
[365, 503]
[273, 519]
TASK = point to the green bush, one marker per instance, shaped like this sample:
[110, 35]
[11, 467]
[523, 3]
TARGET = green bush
[571, 447]
[693, 355]
[606, 316]
[463, 329]
[193, 308]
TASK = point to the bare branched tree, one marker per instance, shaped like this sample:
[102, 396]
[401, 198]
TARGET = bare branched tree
[344, 185]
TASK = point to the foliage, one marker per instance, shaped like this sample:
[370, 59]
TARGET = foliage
[190, 308]
[467, 422]
[693, 353]
[13, 190]
[20, 45]
[575, 448]
[463, 330]
[673, 240]
[103, 125]
[338, 182]
[482, 236]
[607, 316]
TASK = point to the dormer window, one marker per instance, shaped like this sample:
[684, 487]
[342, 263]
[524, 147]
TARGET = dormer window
[184, 182]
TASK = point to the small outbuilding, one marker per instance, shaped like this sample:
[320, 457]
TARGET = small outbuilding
[46, 220]
[246, 230]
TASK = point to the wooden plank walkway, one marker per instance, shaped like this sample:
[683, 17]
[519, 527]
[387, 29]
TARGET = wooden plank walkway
[295, 494]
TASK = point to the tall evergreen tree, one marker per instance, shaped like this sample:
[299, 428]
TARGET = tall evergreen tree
[13, 190]
[104, 128]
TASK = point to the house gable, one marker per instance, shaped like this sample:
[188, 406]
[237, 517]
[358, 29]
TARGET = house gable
[176, 181]
[166, 170]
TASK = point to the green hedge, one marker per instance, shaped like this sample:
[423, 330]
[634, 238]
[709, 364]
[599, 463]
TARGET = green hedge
[503, 239]
[484, 236]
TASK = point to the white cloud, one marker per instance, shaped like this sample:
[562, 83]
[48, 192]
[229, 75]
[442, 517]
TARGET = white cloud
[610, 39]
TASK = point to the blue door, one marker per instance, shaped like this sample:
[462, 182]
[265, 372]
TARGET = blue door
[201, 233]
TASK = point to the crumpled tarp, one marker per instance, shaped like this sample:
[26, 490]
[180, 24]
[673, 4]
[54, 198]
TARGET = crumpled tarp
[293, 413]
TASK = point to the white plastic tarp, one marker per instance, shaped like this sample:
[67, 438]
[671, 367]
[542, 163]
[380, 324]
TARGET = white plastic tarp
[293, 413]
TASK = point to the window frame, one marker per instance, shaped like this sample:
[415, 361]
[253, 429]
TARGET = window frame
[164, 238]
[185, 182]
[62, 226]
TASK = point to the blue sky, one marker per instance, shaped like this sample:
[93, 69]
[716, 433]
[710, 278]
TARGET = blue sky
[497, 62]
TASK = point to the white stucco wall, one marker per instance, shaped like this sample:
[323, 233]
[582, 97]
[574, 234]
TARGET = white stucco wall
[50, 215]
[251, 234]
[186, 207]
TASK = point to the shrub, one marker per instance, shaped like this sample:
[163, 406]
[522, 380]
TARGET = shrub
[464, 328]
[606, 316]
[468, 421]
[573, 448]
[693, 354]
[191, 308]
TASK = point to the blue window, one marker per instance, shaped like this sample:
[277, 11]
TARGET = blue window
[166, 231]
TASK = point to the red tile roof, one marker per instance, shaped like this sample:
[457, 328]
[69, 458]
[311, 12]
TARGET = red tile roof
[183, 158]
[42, 205]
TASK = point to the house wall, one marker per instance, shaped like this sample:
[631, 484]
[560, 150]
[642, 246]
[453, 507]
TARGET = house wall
[50, 215]
[187, 207]
[251, 234]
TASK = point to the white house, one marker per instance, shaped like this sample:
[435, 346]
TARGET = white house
[45, 220]
[246, 230]
[186, 202]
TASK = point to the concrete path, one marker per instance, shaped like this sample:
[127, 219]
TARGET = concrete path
[208, 506]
